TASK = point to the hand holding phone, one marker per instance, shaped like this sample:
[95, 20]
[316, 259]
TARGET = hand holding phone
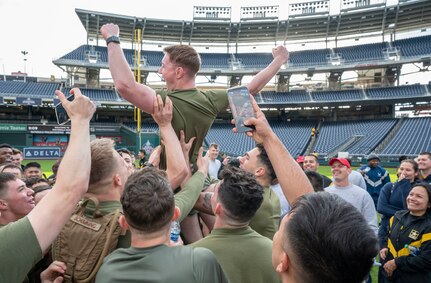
[60, 112]
[241, 107]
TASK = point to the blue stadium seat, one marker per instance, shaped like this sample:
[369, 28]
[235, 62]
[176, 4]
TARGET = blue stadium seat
[334, 134]
[411, 138]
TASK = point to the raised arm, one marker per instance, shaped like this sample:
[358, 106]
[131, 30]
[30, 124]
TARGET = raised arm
[138, 94]
[50, 215]
[292, 179]
[189, 194]
[176, 166]
[281, 55]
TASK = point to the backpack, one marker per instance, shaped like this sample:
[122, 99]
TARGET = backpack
[84, 242]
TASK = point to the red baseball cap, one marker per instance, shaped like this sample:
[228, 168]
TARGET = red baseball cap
[341, 160]
[300, 159]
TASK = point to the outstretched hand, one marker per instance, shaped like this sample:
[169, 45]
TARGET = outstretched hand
[162, 113]
[203, 161]
[154, 158]
[261, 130]
[80, 108]
[186, 146]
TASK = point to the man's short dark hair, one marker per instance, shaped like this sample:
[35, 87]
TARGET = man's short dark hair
[426, 153]
[147, 200]
[6, 145]
[316, 180]
[32, 164]
[4, 179]
[329, 240]
[264, 159]
[30, 182]
[184, 56]
[240, 194]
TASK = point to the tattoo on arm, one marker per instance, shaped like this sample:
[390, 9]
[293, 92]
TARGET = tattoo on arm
[207, 201]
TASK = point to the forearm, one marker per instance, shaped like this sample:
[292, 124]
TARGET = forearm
[203, 204]
[188, 196]
[261, 79]
[120, 69]
[176, 166]
[50, 215]
[137, 94]
[291, 177]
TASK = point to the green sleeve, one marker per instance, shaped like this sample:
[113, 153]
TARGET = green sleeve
[219, 99]
[19, 250]
[206, 268]
[188, 195]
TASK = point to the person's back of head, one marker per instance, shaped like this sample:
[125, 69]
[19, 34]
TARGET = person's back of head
[240, 194]
[316, 180]
[105, 164]
[186, 57]
[328, 240]
[148, 201]
[5, 178]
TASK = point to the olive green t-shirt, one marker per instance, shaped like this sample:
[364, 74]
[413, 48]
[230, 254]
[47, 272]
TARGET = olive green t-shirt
[267, 217]
[19, 250]
[194, 111]
[244, 255]
[161, 264]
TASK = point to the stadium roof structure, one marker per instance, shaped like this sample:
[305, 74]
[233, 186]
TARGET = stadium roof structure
[407, 15]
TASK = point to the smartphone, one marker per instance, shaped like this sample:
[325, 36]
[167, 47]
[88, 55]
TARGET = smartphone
[60, 112]
[241, 107]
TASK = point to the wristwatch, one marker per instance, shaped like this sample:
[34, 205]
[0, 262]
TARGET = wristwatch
[113, 38]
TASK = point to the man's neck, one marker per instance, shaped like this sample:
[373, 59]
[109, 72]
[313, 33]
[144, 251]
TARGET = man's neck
[7, 218]
[182, 85]
[148, 241]
[344, 183]
[425, 173]
[220, 223]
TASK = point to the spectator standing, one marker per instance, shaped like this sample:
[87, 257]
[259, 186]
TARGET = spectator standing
[375, 176]
[424, 164]
[214, 163]
[407, 253]
[311, 163]
[353, 194]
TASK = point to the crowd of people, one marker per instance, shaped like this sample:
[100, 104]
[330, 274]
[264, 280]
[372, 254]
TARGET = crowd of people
[263, 217]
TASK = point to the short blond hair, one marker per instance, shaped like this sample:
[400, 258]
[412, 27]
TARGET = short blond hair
[103, 162]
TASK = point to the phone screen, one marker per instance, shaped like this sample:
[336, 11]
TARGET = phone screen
[60, 112]
[241, 107]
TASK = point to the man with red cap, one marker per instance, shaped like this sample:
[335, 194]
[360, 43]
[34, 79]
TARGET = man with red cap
[353, 194]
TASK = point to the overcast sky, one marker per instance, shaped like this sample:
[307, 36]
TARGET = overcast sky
[48, 29]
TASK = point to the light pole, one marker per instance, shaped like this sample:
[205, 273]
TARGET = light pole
[25, 63]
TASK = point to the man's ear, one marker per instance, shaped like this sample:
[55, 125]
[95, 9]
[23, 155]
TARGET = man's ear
[260, 171]
[284, 264]
[218, 208]
[177, 213]
[117, 180]
[3, 205]
[123, 222]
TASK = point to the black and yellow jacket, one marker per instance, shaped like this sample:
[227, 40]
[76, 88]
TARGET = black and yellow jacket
[406, 229]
